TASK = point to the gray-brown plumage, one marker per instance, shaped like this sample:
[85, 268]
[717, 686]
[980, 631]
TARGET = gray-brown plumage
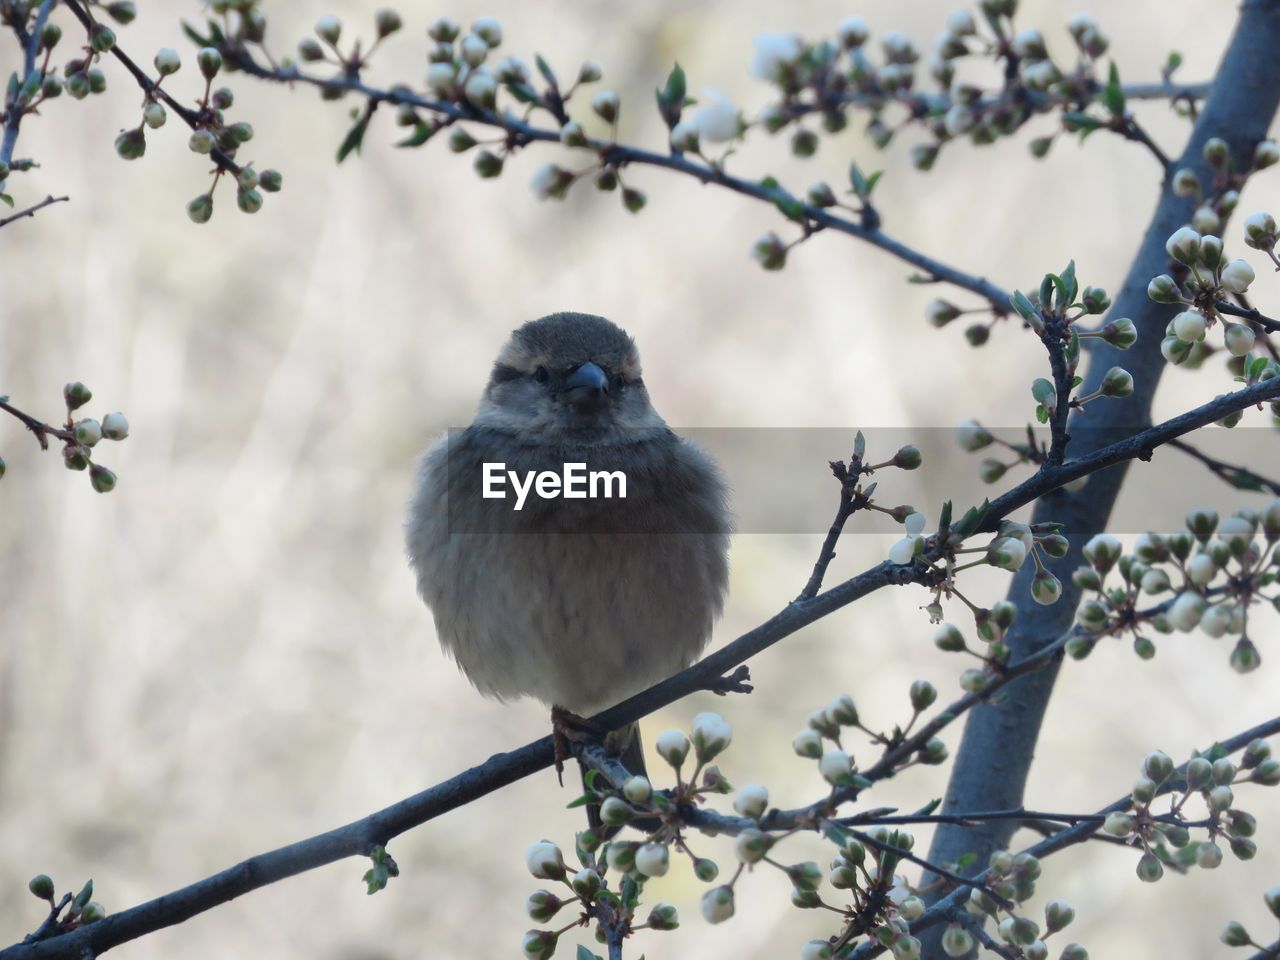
[577, 603]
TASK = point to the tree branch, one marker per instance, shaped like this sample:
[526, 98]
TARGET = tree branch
[1242, 478]
[360, 836]
[31, 210]
[13, 119]
[622, 155]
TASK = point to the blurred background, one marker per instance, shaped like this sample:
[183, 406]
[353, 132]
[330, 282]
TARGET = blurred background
[227, 653]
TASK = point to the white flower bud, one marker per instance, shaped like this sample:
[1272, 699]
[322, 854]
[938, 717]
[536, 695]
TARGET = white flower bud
[481, 89]
[834, 766]
[853, 32]
[1118, 824]
[960, 23]
[1260, 231]
[957, 941]
[939, 313]
[959, 120]
[816, 950]
[474, 50]
[1237, 275]
[488, 29]
[911, 908]
[1185, 612]
[637, 789]
[904, 550]
[752, 801]
[115, 426]
[1185, 182]
[971, 435]
[606, 105]
[167, 61]
[711, 735]
[88, 432]
[716, 119]
[775, 53]
[1183, 245]
[551, 182]
[808, 743]
[1189, 326]
[684, 136]
[1265, 154]
[717, 904]
[544, 860]
[590, 71]
[329, 28]
[1007, 553]
[1206, 220]
[1208, 856]
[673, 747]
[653, 859]
[442, 78]
[1239, 338]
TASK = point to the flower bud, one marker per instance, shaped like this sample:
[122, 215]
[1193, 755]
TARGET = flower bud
[249, 201]
[1208, 856]
[751, 801]
[202, 141]
[1149, 869]
[386, 21]
[93, 911]
[1046, 589]
[835, 766]
[717, 904]
[131, 144]
[41, 886]
[539, 944]
[481, 89]
[201, 208]
[816, 950]
[1265, 154]
[908, 458]
[309, 50]
[1117, 382]
[1206, 220]
[653, 859]
[957, 941]
[329, 29]
[1235, 935]
[1118, 824]
[488, 29]
[923, 694]
[705, 870]
[1260, 231]
[474, 50]
[1237, 275]
[663, 916]
[102, 479]
[711, 735]
[842, 711]
[673, 747]
[210, 62]
[443, 30]
[606, 105]
[770, 252]
[586, 883]
[1183, 245]
[544, 860]
[1185, 182]
[948, 639]
[167, 61]
[101, 38]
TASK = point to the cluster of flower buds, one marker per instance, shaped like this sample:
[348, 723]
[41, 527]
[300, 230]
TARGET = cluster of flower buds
[83, 435]
[1210, 576]
[80, 909]
[1166, 839]
[1012, 877]
[827, 77]
[1208, 278]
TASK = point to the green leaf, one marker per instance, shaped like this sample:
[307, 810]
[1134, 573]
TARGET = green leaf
[544, 68]
[1082, 122]
[1070, 286]
[859, 445]
[1072, 350]
[965, 860]
[931, 806]
[1112, 95]
[790, 207]
[1043, 391]
[673, 96]
[1256, 368]
[1026, 309]
[354, 138]
[972, 519]
[585, 954]
[210, 40]
[83, 897]
[7, 199]
[523, 92]
[1042, 414]
[1244, 480]
[422, 132]
[1173, 63]
[583, 800]
[872, 181]
[857, 180]
[1076, 381]
[1046, 289]
[944, 517]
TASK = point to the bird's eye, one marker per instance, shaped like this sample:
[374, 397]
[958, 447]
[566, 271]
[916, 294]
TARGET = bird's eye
[541, 375]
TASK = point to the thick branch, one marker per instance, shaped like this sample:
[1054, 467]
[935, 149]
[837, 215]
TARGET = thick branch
[13, 121]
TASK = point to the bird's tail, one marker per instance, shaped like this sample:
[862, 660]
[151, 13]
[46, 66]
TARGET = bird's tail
[625, 743]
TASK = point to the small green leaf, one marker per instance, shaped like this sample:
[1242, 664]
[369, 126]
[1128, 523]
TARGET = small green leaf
[944, 517]
[545, 69]
[966, 860]
[859, 445]
[583, 800]
[672, 97]
[7, 199]
[422, 132]
[1256, 368]
[1070, 286]
[1244, 480]
[1076, 381]
[972, 519]
[585, 954]
[931, 806]
[1082, 122]
[523, 92]
[857, 180]
[872, 181]
[1026, 309]
[1112, 94]
[1042, 414]
[83, 897]
[1173, 62]
[1072, 350]
[354, 138]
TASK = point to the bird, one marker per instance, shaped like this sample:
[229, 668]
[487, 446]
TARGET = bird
[575, 602]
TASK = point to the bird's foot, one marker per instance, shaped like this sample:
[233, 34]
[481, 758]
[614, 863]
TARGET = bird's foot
[567, 726]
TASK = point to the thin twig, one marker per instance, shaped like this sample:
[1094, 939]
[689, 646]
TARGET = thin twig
[31, 210]
[41, 429]
[1131, 130]
[1251, 313]
[1242, 478]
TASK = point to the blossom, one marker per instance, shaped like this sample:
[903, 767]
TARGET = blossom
[774, 53]
[716, 120]
[1237, 275]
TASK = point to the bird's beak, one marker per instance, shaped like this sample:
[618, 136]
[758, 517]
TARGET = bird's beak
[587, 388]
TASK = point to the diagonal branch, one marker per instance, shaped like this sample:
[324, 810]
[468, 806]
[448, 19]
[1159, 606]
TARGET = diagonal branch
[1242, 478]
[31, 210]
[523, 133]
[359, 837]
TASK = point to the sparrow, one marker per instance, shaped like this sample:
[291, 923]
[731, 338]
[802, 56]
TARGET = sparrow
[576, 602]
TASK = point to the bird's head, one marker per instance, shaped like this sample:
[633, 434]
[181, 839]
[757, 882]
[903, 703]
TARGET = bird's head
[569, 378]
